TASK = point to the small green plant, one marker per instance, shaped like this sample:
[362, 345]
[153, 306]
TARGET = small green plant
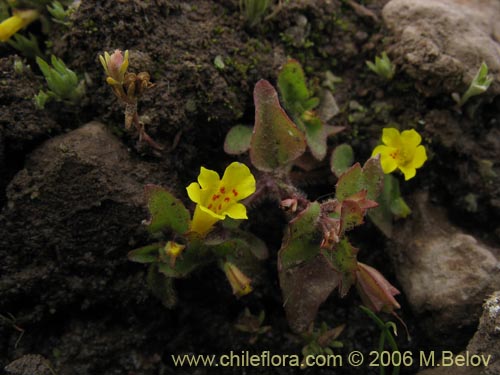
[252, 324]
[59, 13]
[480, 83]
[27, 46]
[188, 243]
[321, 341]
[63, 83]
[383, 67]
[386, 336]
[254, 10]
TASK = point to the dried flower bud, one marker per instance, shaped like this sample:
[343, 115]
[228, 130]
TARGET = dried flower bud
[375, 291]
[173, 250]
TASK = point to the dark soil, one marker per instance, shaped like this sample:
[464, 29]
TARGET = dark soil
[72, 206]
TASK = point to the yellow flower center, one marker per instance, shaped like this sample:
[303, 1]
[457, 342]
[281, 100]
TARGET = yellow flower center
[222, 199]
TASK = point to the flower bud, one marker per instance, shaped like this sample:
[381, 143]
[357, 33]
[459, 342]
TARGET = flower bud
[173, 250]
[115, 66]
[240, 283]
[375, 291]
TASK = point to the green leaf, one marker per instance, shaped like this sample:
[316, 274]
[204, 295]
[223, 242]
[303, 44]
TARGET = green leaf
[391, 205]
[341, 159]
[145, 254]
[303, 238]
[293, 89]
[343, 259]
[355, 179]
[276, 141]
[191, 258]
[167, 212]
[238, 140]
[162, 287]
[316, 136]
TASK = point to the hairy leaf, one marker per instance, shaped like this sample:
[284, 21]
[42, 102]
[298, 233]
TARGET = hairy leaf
[341, 159]
[238, 140]
[303, 238]
[145, 254]
[343, 259]
[167, 212]
[293, 89]
[276, 141]
[356, 179]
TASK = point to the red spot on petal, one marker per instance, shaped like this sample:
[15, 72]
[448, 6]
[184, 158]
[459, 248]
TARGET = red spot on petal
[235, 192]
[210, 206]
[215, 197]
[223, 190]
[220, 206]
[226, 199]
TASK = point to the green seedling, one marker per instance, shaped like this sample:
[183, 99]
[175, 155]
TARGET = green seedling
[28, 47]
[63, 83]
[252, 324]
[383, 67]
[254, 10]
[480, 83]
[59, 14]
[321, 342]
[387, 332]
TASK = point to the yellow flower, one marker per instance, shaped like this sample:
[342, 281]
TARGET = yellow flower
[173, 250]
[218, 198]
[239, 282]
[19, 20]
[401, 151]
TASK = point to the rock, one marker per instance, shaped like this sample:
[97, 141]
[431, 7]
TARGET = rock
[487, 338]
[484, 344]
[445, 274]
[441, 43]
[71, 216]
[29, 364]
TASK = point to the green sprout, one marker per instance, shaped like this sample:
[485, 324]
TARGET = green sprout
[59, 14]
[480, 83]
[252, 324]
[254, 10]
[383, 67]
[385, 336]
[321, 342]
[28, 47]
[63, 83]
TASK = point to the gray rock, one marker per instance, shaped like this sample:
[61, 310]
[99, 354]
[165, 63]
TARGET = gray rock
[441, 43]
[29, 364]
[485, 344]
[486, 341]
[445, 274]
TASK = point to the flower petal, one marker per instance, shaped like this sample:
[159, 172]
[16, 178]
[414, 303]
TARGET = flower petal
[238, 176]
[194, 192]
[408, 170]
[388, 163]
[410, 138]
[391, 137]
[204, 220]
[208, 179]
[237, 211]
[419, 157]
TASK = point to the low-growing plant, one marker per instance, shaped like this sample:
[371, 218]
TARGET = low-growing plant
[252, 324]
[28, 47]
[63, 83]
[480, 83]
[320, 341]
[254, 10]
[383, 67]
[59, 13]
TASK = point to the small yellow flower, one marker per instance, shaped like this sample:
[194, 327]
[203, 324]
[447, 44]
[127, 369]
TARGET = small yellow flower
[239, 282]
[173, 250]
[401, 150]
[115, 66]
[218, 198]
[19, 20]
